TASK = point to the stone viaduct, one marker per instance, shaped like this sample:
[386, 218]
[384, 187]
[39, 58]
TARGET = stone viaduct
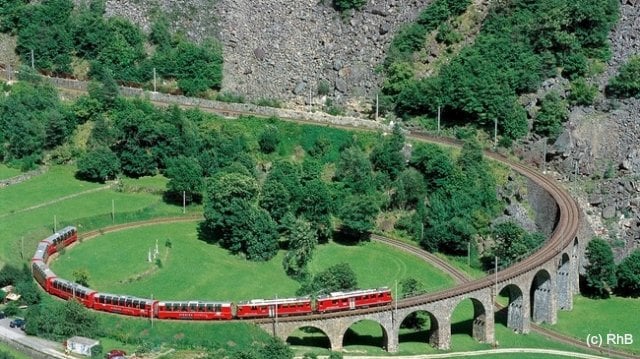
[536, 287]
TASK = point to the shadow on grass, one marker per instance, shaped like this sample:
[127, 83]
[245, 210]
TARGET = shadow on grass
[353, 338]
[309, 337]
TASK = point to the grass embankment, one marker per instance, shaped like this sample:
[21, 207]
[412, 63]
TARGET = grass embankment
[8, 172]
[193, 269]
[615, 315]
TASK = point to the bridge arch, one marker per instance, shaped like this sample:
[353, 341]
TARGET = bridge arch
[432, 336]
[385, 332]
[542, 298]
[517, 311]
[321, 341]
[481, 323]
[563, 278]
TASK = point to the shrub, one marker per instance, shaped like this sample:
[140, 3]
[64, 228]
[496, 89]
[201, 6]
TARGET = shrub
[627, 83]
[582, 93]
[324, 87]
[343, 5]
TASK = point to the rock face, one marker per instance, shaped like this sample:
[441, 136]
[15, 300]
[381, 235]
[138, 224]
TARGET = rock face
[598, 153]
[271, 47]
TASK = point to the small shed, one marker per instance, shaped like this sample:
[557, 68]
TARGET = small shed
[81, 345]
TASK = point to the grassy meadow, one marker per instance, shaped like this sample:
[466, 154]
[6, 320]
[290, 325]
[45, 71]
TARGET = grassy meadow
[8, 172]
[193, 269]
[615, 315]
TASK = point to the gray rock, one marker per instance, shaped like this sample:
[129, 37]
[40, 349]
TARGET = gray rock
[300, 87]
[337, 64]
[341, 85]
[595, 199]
[609, 212]
[259, 53]
[384, 28]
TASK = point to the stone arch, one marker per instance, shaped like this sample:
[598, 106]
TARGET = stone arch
[541, 296]
[347, 326]
[434, 327]
[516, 309]
[316, 341]
[563, 278]
[480, 325]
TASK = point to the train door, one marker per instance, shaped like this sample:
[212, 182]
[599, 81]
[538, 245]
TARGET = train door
[352, 303]
[272, 311]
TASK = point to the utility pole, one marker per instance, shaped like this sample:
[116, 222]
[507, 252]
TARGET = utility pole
[495, 133]
[22, 247]
[32, 60]
[469, 253]
[113, 211]
[154, 80]
[184, 202]
[376, 107]
[55, 223]
[151, 310]
[275, 325]
[309, 97]
[544, 157]
[496, 275]
[438, 119]
[397, 295]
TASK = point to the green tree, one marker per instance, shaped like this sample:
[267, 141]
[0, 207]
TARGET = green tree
[185, 175]
[339, 277]
[601, 270]
[269, 139]
[98, 165]
[553, 113]
[302, 242]
[582, 93]
[275, 348]
[61, 320]
[81, 276]
[512, 242]
[29, 292]
[388, 156]
[627, 82]
[628, 274]
[260, 236]
[354, 170]
[276, 199]
[411, 287]
[316, 207]
[358, 214]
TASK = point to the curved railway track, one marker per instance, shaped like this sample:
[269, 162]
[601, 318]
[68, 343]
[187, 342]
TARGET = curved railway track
[565, 231]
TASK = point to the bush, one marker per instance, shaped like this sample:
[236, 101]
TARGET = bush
[343, 5]
[98, 165]
[269, 139]
[582, 93]
[324, 87]
[627, 83]
[230, 97]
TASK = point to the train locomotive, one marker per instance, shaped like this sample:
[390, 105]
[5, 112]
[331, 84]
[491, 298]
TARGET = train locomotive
[189, 310]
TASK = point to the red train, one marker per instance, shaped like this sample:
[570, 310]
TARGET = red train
[260, 308]
[61, 239]
[189, 310]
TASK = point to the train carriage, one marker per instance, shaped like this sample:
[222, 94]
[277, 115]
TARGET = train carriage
[42, 252]
[194, 310]
[353, 300]
[43, 275]
[61, 239]
[260, 308]
[121, 304]
[70, 290]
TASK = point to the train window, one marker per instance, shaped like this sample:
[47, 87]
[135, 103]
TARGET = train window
[129, 302]
[142, 305]
[201, 307]
[192, 306]
[183, 307]
[121, 301]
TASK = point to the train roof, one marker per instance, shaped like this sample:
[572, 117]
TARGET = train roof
[164, 302]
[275, 301]
[67, 229]
[354, 293]
[40, 251]
[45, 269]
[120, 296]
[75, 285]
[51, 238]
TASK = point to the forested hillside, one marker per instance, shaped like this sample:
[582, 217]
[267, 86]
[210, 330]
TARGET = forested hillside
[521, 43]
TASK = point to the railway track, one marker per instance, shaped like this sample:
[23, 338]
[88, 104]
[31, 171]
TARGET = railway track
[562, 236]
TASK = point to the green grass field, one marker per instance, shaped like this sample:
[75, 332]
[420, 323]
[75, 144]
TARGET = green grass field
[8, 172]
[615, 315]
[192, 269]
